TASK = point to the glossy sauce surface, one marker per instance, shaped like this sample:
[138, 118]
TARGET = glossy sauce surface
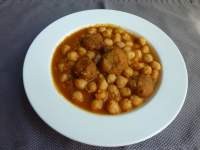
[114, 54]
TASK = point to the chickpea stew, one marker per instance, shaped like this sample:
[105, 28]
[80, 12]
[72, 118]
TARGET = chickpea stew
[105, 69]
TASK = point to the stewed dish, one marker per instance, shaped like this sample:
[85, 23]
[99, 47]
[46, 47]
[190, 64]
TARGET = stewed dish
[106, 69]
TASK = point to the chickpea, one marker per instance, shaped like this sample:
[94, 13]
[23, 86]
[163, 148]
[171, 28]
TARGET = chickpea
[97, 104]
[65, 49]
[126, 105]
[92, 31]
[107, 33]
[130, 62]
[129, 43]
[117, 38]
[111, 78]
[101, 95]
[145, 49]
[155, 74]
[131, 55]
[119, 31]
[147, 70]
[64, 77]
[125, 92]
[92, 87]
[61, 67]
[101, 76]
[77, 96]
[126, 37]
[138, 65]
[136, 46]
[91, 54]
[141, 65]
[127, 48]
[108, 42]
[103, 85]
[128, 72]
[156, 65]
[121, 81]
[102, 29]
[82, 51]
[73, 56]
[113, 107]
[135, 73]
[114, 92]
[120, 44]
[138, 54]
[136, 100]
[142, 41]
[80, 83]
[109, 30]
[148, 58]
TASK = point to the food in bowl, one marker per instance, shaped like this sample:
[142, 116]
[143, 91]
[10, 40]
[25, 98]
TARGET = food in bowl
[105, 69]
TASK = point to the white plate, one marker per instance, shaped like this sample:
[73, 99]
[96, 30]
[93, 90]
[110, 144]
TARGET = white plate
[101, 130]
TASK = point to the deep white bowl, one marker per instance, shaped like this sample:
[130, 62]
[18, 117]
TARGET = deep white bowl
[103, 130]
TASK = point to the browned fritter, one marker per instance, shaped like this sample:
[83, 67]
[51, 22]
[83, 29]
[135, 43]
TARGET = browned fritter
[114, 61]
[85, 68]
[93, 41]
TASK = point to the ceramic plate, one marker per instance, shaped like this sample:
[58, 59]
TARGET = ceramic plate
[102, 130]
